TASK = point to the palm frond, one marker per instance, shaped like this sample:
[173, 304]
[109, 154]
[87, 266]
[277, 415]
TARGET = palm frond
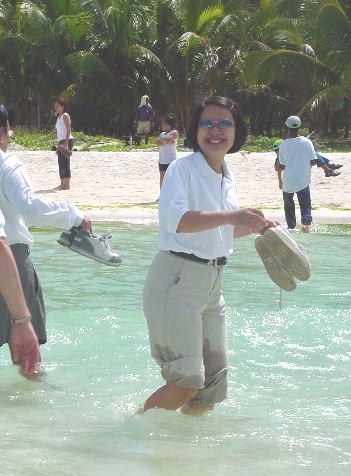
[265, 67]
[85, 64]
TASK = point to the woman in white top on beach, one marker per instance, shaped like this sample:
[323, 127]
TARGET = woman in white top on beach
[167, 143]
[65, 138]
[183, 303]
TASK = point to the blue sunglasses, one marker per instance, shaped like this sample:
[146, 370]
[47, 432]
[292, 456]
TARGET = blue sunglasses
[221, 124]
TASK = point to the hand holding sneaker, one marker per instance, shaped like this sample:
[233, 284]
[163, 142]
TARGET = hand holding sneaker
[84, 242]
[86, 224]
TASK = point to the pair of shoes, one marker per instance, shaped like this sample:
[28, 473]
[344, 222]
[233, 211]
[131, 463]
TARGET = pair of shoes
[335, 166]
[89, 245]
[283, 258]
[332, 173]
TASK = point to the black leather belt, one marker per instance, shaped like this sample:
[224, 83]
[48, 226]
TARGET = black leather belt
[222, 261]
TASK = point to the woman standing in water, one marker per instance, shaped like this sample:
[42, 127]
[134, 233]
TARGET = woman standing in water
[183, 302]
[65, 139]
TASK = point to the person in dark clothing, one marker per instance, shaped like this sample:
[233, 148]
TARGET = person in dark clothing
[144, 117]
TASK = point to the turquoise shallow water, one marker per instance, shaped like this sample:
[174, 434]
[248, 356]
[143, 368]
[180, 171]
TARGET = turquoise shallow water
[288, 407]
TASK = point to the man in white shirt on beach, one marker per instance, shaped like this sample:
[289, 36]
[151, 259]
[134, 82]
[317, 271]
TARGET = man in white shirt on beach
[21, 206]
[296, 156]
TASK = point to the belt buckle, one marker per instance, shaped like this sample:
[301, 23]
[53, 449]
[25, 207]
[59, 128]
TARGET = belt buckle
[219, 262]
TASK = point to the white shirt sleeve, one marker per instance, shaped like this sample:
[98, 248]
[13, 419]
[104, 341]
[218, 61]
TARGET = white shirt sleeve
[36, 210]
[174, 201]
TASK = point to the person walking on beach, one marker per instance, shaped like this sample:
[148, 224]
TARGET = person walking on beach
[144, 116]
[183, 303]
[17, 331]
[296, 156]
[167, 143]
[20, 206]
[65, 143]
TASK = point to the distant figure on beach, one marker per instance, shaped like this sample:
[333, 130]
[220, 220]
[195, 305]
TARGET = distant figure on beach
[65, 140]
[21, 206]
[183, 303]
[296, 157]
[18, 332]
[167, 143]
[144, 117]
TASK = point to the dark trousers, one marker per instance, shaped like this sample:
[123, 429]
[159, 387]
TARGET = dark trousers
[32, 292]
[64, 162]
[304, 199]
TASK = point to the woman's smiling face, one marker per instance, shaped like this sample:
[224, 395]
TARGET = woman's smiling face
[214, 143]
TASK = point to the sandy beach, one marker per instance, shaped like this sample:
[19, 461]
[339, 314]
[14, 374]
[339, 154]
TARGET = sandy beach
[124, 186]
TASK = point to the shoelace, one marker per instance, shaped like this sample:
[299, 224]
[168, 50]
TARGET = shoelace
[104, 237]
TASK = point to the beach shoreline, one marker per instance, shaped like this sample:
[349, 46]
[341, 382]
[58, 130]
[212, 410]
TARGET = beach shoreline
[124, 186]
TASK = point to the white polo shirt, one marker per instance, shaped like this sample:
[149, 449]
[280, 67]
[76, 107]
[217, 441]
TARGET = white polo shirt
[2, 225]
[296, 154]
[20, 205]
[191, 184]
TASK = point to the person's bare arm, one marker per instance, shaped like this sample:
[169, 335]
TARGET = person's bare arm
[10, 284]
[280, 179]
[195, 221]
[23, 340]
[67, 121]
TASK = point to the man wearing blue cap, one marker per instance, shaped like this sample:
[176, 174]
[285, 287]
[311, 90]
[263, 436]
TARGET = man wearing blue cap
[296, 156]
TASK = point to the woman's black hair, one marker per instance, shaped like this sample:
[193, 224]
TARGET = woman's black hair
[61, 102]
[170, 120]
[226, 103]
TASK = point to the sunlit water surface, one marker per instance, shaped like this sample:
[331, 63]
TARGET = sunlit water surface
[288, 406]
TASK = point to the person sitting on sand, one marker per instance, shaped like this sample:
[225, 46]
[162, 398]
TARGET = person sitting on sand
[167, 143]
[65, 139]
[183, 302]
[15, 326]
[20, 206]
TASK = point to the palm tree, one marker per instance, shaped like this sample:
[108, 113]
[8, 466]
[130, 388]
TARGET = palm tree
[117, 64]
[312, 71]
[191, 52]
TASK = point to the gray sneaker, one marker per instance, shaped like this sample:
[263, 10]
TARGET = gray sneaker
[91, 246]
[66, 238]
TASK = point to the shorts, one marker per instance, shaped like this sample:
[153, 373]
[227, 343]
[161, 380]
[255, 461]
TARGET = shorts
[32, 292]
[144, 128]
[185, 313]
[163, 167]
[64, 162]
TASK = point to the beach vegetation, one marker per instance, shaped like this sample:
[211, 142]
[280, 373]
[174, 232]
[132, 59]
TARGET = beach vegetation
[276, 57]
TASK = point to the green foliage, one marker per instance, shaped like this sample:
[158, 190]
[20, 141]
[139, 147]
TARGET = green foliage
[276, 57]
